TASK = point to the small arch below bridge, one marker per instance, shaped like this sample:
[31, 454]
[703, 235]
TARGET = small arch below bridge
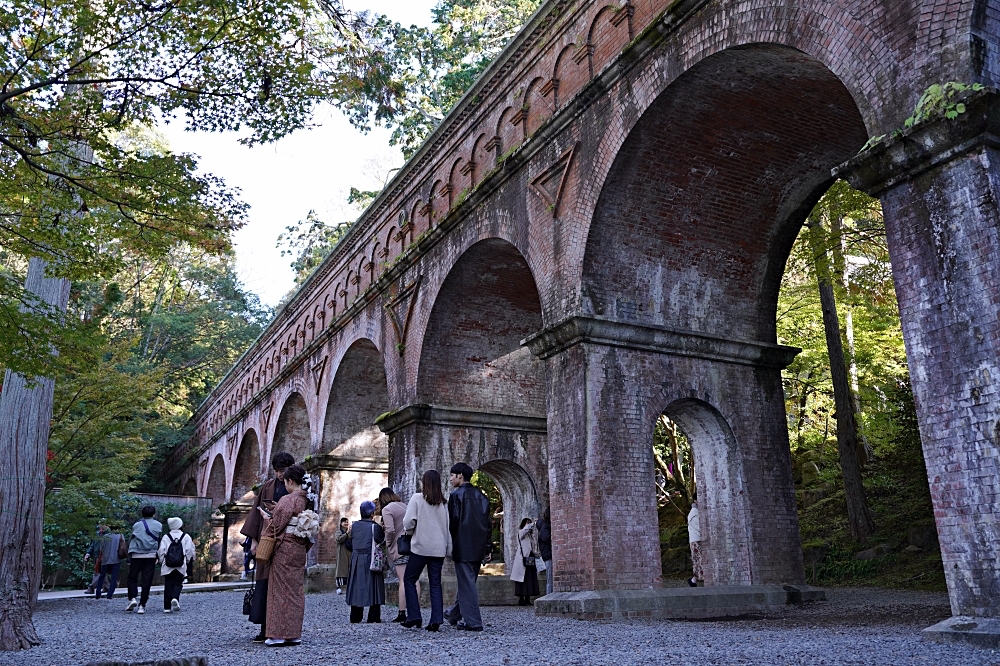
[520, 500]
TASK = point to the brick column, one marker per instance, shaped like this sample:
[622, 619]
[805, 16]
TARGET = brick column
[608, 383]
[940, 185]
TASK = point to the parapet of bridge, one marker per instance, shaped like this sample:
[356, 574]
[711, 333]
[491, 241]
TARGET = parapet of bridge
[595, 236]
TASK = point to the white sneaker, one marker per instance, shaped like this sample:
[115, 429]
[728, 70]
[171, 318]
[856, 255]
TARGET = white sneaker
[243, 575]
[132, 603]
[339, 591]
[140, 610]
[166, 610]
[174, 606]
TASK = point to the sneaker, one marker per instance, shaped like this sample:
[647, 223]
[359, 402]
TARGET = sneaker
[166, 610]
[140, 610]
[132, 603]
[174, 606]
[339, 591]
[693, 582]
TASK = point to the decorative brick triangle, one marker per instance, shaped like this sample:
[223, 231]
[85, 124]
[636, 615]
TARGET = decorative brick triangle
[400, 309]
[550, 184]
[231, 444]
[317, 372]
[266, 413]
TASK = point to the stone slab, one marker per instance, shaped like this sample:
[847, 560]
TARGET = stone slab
[983, 632]
[673, 603]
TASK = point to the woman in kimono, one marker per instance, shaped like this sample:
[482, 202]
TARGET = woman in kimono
[286, 593]
[364, 586]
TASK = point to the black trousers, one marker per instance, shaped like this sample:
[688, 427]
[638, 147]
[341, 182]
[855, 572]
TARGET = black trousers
[140, 572]
[374, 614]
[172, 584]
[258, 607]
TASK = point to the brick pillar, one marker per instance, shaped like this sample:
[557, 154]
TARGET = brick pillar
[940, 185]
[608, 383]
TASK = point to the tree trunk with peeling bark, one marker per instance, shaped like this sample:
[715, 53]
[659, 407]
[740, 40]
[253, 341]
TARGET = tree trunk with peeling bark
[25, 414]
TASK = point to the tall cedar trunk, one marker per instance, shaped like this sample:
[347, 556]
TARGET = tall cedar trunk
[847, 428]
[25, 413]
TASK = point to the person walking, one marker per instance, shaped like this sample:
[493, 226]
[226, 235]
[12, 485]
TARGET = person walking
[393, 512]
[426, 519]
[143, 545]
[364, 586]
[694, 539]
[523, 572]
[113, 550]
[94, 551]
[270, 494]
[286, 604]
[343, 554]
[545, 547]
[471, 527]
[176, 552]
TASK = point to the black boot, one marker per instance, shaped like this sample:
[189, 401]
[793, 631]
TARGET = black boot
[357, 613]
[401, 617]
[375, 615]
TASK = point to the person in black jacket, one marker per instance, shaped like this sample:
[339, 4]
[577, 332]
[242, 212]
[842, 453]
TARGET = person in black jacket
[469, 521]
[544, 527]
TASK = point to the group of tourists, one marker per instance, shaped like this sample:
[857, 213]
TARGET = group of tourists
[145, 547]
[409, 538]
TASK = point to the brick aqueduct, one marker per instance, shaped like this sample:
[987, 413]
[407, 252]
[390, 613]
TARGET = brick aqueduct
[595, 236]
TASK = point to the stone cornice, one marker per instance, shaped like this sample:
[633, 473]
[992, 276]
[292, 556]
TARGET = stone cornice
[346, 463]
[575, 330]
[906, 154]
[451, 416]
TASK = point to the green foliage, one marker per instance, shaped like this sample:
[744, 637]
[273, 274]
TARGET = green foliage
[311, 240]
[941, 100]
[420, 73]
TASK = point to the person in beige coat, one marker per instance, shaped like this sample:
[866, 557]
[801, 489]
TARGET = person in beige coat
[393, 511]
[525, 576]
[427, 519]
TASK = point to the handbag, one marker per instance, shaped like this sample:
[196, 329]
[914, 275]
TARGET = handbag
[122, 548]
[403, 544]
[379, 561]
[248, 599]
[265, 549]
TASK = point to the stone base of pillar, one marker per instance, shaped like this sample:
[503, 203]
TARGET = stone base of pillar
[674, 603]
[983, 632]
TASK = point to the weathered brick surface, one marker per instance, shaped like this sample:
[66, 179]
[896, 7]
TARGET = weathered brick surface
[697, 135]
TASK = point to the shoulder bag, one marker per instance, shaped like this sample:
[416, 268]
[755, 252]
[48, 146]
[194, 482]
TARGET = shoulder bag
[379, 561]
[403, 544]
[122, 547]
[528, 561]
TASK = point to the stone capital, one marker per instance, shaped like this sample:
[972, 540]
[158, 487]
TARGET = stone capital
[642, 337]
[421, 414]
[345, 464]
[905, 155]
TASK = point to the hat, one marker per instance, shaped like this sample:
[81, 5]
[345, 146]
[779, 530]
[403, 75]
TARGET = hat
[175, 523]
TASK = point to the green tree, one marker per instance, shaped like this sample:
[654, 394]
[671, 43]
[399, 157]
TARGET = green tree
[309, 241]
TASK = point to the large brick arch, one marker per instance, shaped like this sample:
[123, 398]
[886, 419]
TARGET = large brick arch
[215, 487]
[358, 395]
[471, 355]
[247, 470]
[707, 193]
[292, 431]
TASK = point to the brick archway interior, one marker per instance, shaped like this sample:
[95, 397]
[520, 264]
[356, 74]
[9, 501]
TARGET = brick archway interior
[190, 488]
[472, 356]
[247, 472]
[291, 433]
[707, 193]
[217, 481]
[358, 396]
[520, 500]
[721, 496]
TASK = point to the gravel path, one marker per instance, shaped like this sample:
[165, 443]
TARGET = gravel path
[856, 626]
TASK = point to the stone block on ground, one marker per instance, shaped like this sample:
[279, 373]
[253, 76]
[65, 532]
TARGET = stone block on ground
[978, 631]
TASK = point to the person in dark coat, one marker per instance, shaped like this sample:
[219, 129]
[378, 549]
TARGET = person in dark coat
[545, 547]
[272, 491]
[364, 586]
[471, 527]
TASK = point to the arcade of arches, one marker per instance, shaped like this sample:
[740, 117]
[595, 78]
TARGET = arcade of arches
[536, 287]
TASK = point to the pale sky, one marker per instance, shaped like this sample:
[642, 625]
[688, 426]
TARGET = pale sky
[312, 169]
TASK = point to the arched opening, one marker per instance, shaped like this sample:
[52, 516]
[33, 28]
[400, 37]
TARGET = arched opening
[697, 459]
[190, 488]
[472, 356]
[359, 394]
[292, 433]
[247, 472]
[518, 499]
[217, 481]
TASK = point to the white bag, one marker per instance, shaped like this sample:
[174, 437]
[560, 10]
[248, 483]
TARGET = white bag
[540, 564]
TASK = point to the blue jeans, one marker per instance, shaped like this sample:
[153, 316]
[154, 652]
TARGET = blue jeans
[413, 569]
[112, 571]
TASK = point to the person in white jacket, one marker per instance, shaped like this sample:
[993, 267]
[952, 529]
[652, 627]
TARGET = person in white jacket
[694, 538]
[426, 520]
[174, 572]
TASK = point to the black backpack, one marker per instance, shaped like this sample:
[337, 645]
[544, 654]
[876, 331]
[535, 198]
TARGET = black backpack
[175, 553]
